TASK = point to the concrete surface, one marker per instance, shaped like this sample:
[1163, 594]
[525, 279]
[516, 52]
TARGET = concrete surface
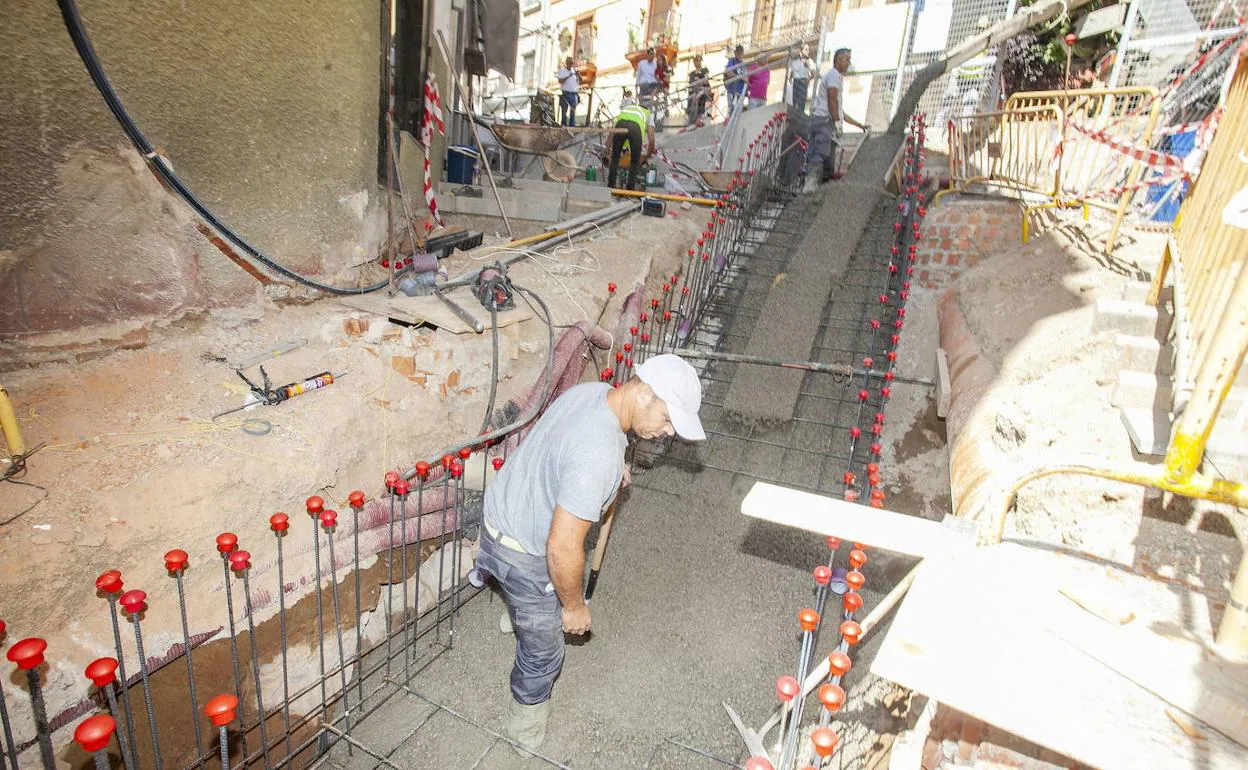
[790, 320]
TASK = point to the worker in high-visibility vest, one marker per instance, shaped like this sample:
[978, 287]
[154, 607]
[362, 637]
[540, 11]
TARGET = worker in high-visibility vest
[638, 121]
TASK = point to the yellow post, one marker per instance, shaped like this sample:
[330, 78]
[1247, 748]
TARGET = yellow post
[8, 424]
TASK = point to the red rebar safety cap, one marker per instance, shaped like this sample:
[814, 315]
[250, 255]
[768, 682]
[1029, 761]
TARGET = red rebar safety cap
[391, 478]
[228, 541]
[134, 601]
[787, 688]
[279, 522]
[822, 574]
[831, 696]
[852, 601]
[28, 653]
[95, 732]
[241, 560]
[851, 632]
[855, 580]
[221, 709]
[759, 763]
[808, 619]
[497, 462]
[329, 519]
[839, 663]
[315, 504]
[176, 560]
[109, 582]
[401, 488]
[422, 470]
[102, 671]
[825, 740]
[356, 499]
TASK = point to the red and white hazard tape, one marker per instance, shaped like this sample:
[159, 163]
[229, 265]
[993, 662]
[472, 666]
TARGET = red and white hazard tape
[1146, 155]
[432, 117]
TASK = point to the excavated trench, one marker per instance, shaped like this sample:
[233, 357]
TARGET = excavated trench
[696, 603]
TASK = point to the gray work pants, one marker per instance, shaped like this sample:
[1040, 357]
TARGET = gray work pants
[821, 153]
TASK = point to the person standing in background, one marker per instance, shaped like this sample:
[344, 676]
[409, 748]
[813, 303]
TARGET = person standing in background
[699, 90]
[759, 80]
[569, 84]
[734, 78]
[647, 78]
[801, 68]
[826, 121]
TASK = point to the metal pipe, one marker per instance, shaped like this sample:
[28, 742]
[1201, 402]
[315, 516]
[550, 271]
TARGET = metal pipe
[8, 424]
[664, 197]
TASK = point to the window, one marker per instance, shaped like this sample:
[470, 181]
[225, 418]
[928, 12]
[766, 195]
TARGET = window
[583, 41]
[658, 21]
[526, 69]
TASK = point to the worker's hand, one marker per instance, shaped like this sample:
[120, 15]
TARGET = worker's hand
[576, 620]
[627, 479]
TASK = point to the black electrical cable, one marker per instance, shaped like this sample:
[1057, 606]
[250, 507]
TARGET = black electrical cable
[73, 23]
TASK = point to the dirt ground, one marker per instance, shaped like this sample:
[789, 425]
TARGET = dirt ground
[133, 465]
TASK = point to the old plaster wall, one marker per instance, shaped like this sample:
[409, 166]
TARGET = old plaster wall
[267, 110]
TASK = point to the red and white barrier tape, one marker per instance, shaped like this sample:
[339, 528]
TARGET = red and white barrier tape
[432, 117]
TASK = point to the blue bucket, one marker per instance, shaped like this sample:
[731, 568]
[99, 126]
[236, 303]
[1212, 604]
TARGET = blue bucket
[1180, 146]
[461, 164]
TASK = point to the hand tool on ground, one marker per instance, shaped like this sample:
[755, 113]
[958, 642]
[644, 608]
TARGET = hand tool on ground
[266, 394]
[458, 310]
[600, 550]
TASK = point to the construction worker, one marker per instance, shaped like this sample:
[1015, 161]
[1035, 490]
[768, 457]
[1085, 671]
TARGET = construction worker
[637, 121]
[827, 121]
[543, 502]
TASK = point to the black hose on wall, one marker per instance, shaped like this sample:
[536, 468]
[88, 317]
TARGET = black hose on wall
[73, 23]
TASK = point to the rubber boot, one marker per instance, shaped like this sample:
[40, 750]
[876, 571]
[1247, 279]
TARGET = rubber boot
[526, 725]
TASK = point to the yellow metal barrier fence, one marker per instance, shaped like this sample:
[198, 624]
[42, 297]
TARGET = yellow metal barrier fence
[1067, 146]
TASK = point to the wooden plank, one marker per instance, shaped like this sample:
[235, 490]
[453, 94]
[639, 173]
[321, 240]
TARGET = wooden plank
[431, 310]
[875, 527]
[989, 633]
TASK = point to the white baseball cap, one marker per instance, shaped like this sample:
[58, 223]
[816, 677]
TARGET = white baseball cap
[676, 383]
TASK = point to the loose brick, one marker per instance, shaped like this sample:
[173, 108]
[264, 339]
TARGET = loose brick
[953, 260]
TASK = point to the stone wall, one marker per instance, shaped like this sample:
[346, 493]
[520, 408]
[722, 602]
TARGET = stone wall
[268, 111]
[959, 232]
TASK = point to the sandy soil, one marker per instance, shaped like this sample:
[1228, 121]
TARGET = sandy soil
[133, 465]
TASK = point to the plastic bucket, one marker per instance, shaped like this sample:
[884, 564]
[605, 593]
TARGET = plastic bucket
[1178, 145]
[461, 165]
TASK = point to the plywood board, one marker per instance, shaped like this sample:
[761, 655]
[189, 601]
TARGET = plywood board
[850, 521]
[433, 311]
[989, 632]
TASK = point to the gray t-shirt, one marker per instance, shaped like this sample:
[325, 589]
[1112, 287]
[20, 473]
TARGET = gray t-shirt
[572, 458]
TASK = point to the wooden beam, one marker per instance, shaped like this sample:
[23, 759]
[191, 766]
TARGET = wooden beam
[989, 632]
[875, 527]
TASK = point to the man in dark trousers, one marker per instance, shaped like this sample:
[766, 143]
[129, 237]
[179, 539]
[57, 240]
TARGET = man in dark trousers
[543, 503]
[638, 122]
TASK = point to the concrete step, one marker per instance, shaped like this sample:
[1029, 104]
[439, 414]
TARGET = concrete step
[1141, 390]
[1126, 317]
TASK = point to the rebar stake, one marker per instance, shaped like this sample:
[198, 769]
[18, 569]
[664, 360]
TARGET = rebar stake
[400, 490]
[28, 656]
[227, 543]
[102, 673]
[329, 520]
[280, 524]
[356, 500]
[9, 747]
[135, 604]
[220, 710]
[240, 563]
[176, 562]
[110, 584]
[315, 505]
